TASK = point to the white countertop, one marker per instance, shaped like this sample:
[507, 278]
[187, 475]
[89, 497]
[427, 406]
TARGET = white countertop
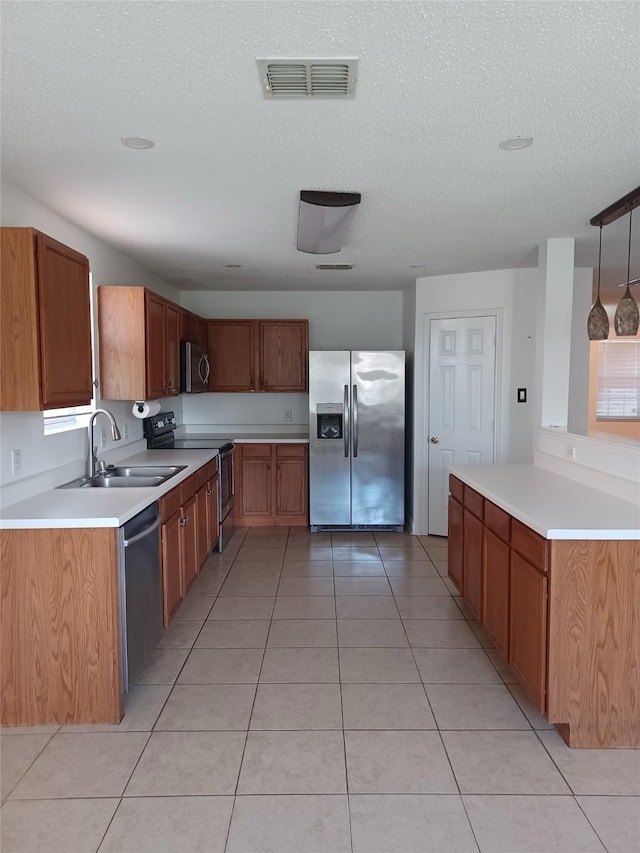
[256, 437]
[554, 506]
[101, 507]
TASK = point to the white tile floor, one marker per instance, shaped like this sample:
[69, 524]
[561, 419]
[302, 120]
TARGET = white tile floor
[319, 693]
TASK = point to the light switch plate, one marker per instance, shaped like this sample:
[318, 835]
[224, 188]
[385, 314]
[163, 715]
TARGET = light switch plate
[522, 395]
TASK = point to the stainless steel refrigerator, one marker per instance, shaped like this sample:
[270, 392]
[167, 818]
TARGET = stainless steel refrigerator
[356, 440]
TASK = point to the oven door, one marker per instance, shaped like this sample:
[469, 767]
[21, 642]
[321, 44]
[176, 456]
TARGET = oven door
[226, 482]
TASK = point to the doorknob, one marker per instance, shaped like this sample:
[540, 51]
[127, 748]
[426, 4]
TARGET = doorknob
[434, 439]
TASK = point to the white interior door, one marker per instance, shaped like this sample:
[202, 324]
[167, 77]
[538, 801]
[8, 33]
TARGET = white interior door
[462, 370]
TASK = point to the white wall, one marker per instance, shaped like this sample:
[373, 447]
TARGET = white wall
[25, 430]
[337, 320]
[514, 293]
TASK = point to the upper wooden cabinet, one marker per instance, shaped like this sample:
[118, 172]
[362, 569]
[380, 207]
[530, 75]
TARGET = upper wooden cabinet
[45, 324]
[139, 344]
[193, 328]
[258, 355]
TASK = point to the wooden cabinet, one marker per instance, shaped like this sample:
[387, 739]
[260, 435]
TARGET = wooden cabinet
[59, 623]
[528, 635]
[45, 324]
[188, 543]
[495, 590]
[472, 550]
[202, 525]
[455, 542]
[193, 328]
[213, 532]
[139, 344]
[258, 355]
[171, 571]
[272, 484]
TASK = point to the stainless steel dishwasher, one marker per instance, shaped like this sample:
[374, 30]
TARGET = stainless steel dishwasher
[140, 591]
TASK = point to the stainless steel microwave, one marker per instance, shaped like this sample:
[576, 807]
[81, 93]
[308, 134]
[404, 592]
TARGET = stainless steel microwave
[194, 368]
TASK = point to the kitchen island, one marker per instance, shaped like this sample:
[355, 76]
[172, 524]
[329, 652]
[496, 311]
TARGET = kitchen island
[551, 568]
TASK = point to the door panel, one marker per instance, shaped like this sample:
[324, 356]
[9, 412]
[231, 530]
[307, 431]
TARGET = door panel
[330, 471]
[377, 428]
[461, 404]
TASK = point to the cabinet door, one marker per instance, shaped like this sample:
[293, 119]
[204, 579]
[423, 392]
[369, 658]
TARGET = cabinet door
[202, 525]
[188, 543]
[472, 584]
[291, 487]
[455, 543]
[212, 513]
[172, 349]
[232, 355]
[254, 497]
[65, 325]
[284, 351]
[495, 590]
[528, 628]
[171, 573]
[155, 346]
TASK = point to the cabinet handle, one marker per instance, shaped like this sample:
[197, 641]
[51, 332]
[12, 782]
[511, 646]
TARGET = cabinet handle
[209, 493]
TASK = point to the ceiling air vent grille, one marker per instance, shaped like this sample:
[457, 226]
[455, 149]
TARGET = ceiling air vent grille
[304, 78]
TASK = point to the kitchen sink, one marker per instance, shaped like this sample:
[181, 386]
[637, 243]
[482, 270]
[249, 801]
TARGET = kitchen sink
[126, 477]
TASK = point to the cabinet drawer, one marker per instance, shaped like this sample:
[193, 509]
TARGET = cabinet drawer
[205, 473]
[170, 503]
[474, 502]
[297, 450]
[530, 545]
[188, 489]
[253, 451]
[498, 520]
[456, 488]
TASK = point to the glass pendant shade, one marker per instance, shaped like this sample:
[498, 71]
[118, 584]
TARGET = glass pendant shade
[598, 322]
[598, 319]
[627, 317]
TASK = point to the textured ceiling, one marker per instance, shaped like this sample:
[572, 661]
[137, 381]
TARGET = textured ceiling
[439, 85]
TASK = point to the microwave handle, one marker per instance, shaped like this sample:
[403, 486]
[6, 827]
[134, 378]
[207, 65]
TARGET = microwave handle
[204, 358]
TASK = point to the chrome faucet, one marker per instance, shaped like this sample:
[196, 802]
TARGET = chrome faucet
[92, 459]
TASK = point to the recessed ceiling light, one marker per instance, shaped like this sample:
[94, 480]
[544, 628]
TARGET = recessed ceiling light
[516, 143]
[138, 142]
[233, 266]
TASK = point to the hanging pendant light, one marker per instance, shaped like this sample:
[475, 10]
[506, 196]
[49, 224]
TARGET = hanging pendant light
[598, 320]
[627, 319]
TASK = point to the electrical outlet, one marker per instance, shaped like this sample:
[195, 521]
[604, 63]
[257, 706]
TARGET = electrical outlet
[125, 430]
[16, 462]
[103, 437]
[570, 452]
[288, 415]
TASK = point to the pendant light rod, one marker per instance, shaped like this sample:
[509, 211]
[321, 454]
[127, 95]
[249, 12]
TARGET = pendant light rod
[624, 205]
[600, 262]
[629, 250]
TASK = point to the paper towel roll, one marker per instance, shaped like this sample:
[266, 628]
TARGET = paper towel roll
[145, 408]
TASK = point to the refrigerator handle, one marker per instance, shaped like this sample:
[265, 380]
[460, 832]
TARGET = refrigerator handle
[345, 426]
[355, 421]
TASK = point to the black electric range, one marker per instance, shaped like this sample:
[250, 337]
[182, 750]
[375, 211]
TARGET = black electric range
[159, 431]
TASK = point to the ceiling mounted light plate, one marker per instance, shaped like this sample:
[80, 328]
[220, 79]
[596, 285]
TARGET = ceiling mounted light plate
[140, 143]
[336, 267]
[308, 78]
[516, 143]
[324, 219]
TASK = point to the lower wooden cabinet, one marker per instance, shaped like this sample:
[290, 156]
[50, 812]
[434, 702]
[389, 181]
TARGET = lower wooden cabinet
[456, 553]
[188, 534]
[472, 546]
[272, 485]
[528, 634]
[495, 590]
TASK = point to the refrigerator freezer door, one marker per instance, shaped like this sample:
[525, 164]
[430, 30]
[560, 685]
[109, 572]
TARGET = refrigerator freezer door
[329, 451]
[377, 470]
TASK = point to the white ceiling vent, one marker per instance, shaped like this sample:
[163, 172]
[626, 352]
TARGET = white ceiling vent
[304, 78]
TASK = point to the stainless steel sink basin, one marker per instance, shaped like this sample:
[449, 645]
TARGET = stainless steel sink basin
[126, 477]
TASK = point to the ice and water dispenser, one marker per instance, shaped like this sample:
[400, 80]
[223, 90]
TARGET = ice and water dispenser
[330, 418]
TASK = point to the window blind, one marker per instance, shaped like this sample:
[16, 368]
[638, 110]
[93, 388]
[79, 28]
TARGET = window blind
[618, 395]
